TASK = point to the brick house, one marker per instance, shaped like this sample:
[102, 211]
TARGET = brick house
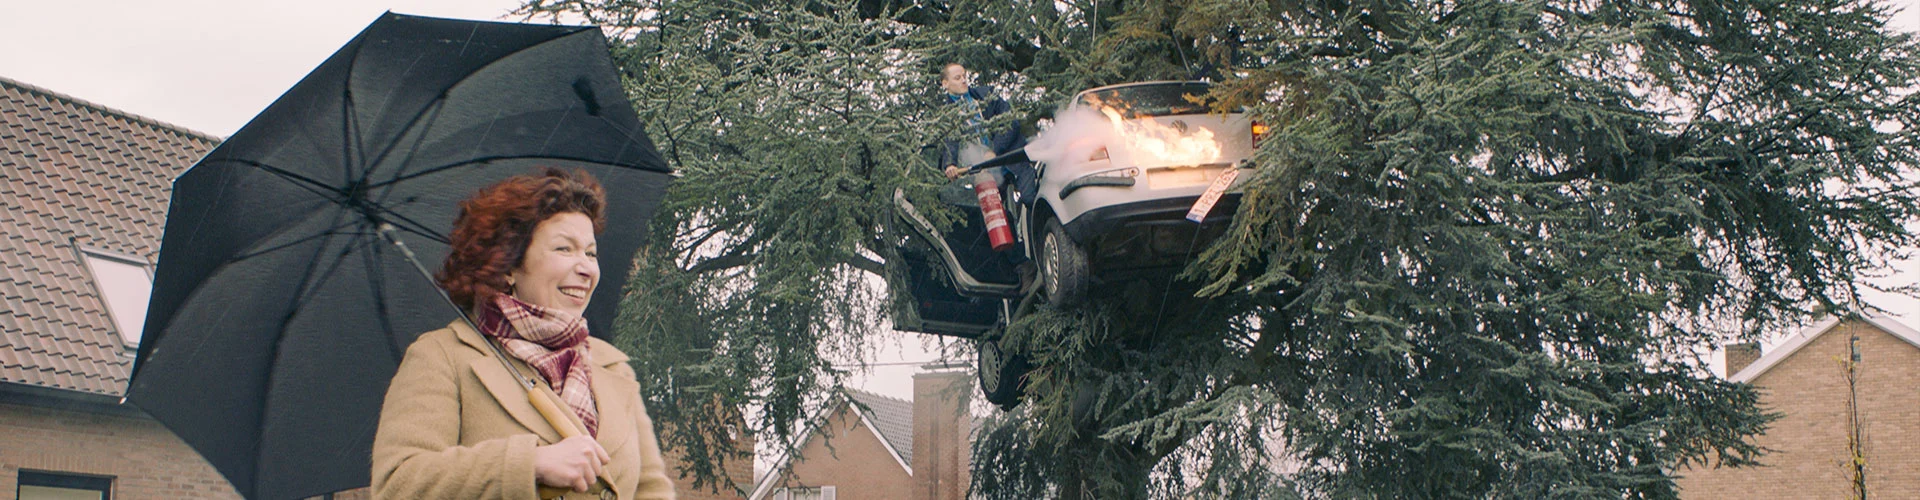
[1805, 380]
[83, 192]
[870, 446]
[738, 469]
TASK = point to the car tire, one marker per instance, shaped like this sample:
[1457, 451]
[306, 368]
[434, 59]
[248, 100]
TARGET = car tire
[1063, 266]
[1003, 375]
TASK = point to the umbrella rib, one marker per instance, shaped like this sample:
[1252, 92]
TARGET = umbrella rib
[350, 139]
[303, 295]
[348, 124]
[484, 159]
[415, 227]
[412, 122]
[442, 168]
[430, 171]
[387, 188]
[308, 183]
[308, 293]
[330, 231]
[303, 291]
[433, 115]
[376, 279]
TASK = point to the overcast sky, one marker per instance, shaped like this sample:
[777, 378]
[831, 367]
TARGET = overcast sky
[207, 65]
[210, 65]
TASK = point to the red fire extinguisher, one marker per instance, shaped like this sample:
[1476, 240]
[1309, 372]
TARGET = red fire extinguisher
[998, 234]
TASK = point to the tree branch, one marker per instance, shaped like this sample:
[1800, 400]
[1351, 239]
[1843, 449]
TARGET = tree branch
[862, 263]
[728, 261]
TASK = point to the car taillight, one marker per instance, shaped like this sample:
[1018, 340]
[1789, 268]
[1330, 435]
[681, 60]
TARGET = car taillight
[1259, 130]
[1098, 154]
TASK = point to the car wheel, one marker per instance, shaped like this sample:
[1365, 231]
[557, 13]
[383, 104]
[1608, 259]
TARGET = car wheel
[1003, 375]
[1063, 266]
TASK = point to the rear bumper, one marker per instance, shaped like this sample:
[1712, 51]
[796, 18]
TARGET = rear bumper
[1148, 235]
[1100, 221]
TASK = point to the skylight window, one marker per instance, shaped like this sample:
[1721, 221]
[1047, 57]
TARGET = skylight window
[124, 285]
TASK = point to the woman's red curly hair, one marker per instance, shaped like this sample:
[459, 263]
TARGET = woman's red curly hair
[495, 226]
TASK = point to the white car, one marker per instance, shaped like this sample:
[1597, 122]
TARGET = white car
[1124, 179]
[1132, 179]
[1124, 189]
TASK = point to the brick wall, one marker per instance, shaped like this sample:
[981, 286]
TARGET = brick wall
[941, 435]
[1810, 439]
[1740, 355]
[144, 459]
[856, 464]
[740, 469]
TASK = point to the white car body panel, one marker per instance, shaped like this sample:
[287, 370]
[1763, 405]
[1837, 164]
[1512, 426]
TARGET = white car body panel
[1153, 180]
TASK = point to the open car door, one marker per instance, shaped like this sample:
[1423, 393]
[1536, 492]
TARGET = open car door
[958, 283]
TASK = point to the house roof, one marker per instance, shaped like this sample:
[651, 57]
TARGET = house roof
[893, 419]
[75, 175]
[1792, 344]
[889, 419]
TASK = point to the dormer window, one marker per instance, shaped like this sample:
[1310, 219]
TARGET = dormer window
[124, 284]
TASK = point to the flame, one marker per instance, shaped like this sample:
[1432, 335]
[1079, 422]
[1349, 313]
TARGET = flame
[1151, 143]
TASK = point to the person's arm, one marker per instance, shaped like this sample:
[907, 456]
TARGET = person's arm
[994, 104]
[416, 451]
[1009, 137]
[949, 164]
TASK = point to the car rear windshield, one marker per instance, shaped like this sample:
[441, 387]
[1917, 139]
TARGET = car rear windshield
[1157, 99]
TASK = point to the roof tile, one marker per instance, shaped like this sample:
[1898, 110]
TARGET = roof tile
[74, 171]
[10, 356]
[893, 417]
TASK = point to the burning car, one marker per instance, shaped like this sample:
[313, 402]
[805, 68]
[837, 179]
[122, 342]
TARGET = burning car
[1133, 179]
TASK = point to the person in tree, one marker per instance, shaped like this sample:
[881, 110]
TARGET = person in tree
[982, 143]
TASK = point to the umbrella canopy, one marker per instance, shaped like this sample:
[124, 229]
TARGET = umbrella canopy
[279, 315]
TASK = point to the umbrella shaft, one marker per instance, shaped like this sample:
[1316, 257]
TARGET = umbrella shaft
[387, 231]
[546, 406]
[560, 421]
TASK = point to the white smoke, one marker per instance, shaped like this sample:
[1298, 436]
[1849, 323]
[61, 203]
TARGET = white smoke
[1076, 132]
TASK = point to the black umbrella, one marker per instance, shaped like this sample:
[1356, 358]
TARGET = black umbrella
[278, 313]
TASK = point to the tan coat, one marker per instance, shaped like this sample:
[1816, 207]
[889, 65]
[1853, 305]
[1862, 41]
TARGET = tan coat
[456, 425]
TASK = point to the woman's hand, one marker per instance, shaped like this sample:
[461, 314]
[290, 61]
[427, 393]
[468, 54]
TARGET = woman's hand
[953, 172]
[572, 463]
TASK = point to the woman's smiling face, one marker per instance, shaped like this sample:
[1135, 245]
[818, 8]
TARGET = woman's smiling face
[561, 266]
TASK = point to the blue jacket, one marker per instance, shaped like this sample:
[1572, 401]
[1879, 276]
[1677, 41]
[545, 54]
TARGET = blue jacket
[1002, 141]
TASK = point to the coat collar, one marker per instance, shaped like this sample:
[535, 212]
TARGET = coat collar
[612, 392]
[602, 354]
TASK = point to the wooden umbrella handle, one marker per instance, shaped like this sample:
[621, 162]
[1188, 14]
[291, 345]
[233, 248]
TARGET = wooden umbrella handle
[564, 425]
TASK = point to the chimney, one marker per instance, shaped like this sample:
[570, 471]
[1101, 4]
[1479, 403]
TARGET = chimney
[942, 426]
[1740, 355]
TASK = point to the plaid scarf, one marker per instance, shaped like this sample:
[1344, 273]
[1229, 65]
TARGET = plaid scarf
[553, 343]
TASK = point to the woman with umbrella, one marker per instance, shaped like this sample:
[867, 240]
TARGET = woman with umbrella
[457, 424]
